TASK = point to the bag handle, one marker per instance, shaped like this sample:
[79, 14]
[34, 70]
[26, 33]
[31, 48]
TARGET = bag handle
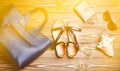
[25, 19]
[21, 30]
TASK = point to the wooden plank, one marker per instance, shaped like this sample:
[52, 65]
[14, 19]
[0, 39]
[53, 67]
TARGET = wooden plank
[89, 58]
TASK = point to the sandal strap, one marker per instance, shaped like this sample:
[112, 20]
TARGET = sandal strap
[74, 37]
[72, 42]
[74, 28]
[77, 46]
[71, 29]
[60, 42]
[59, 35]
[58, 28]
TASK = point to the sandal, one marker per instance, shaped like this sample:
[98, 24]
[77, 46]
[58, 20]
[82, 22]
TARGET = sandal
[58, 35]
[72, 45]
[111, 25]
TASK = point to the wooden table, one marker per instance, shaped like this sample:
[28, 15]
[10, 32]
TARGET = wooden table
[89, 58]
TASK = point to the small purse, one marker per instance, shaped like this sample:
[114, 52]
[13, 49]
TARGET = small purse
[84, 11]
[21, 44]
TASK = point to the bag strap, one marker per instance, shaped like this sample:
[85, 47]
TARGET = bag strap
[20, 30]
[25, 19]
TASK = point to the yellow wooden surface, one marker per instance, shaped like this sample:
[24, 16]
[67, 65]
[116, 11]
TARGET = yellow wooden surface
[88, 59]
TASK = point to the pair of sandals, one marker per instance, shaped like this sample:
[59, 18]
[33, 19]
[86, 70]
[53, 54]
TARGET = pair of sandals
[64, 39]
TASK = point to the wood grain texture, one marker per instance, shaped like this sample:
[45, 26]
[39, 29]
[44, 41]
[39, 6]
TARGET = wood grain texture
[89, 58]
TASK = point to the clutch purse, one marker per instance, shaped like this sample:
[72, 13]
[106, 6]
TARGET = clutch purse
[22, 46]
[84, 11]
